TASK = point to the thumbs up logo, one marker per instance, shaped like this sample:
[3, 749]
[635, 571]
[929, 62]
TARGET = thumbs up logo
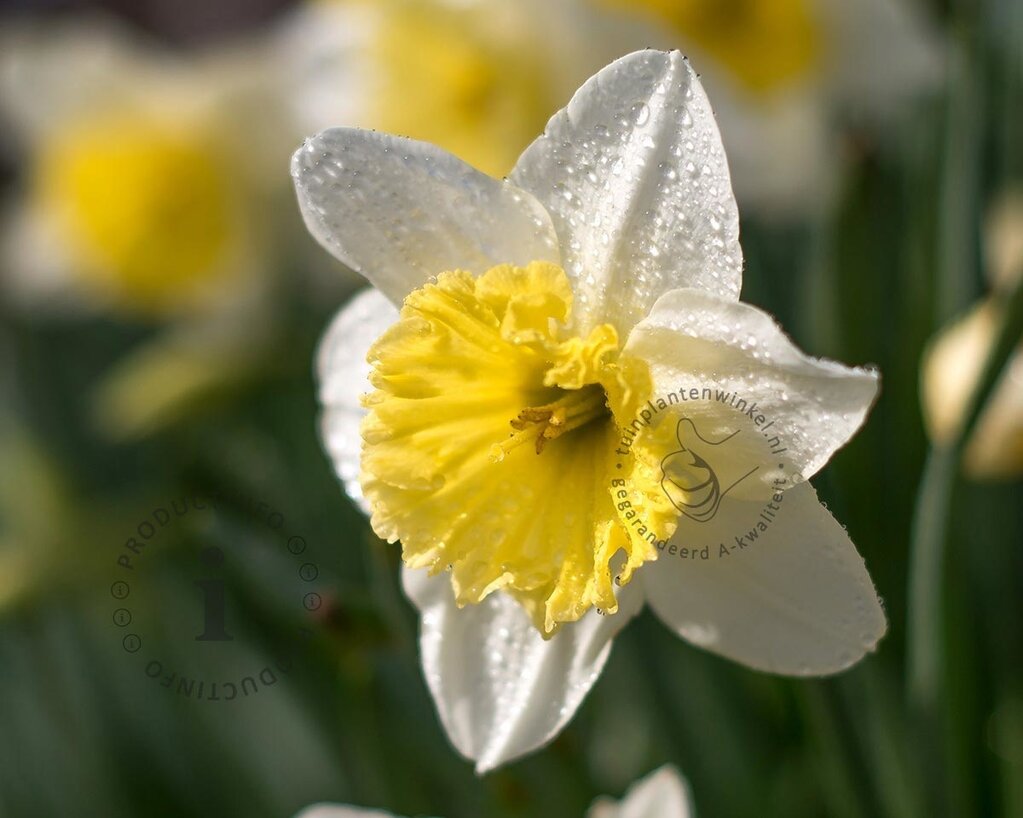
[698, 476]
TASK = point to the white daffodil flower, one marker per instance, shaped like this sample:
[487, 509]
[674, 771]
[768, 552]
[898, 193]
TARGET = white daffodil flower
[661, 794]
[477, 78]
[134, 201]
[134, 198]
[570, 390]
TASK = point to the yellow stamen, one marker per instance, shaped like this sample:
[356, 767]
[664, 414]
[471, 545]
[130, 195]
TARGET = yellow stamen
[545, 423]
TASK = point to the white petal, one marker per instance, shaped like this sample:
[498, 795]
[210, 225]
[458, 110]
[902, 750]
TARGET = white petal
[398, 211]
[636, 181]
[796, 600]
[344, 377]
[661, 794]
[500, 689]
[342, 811]
[692, 339]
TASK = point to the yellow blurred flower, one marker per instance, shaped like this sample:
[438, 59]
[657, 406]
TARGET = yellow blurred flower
[765, 44]
[133, 199]
[786, 73]
[146, 207]
[136, 200]
[478, 78]
[482, 100]
[464, 74]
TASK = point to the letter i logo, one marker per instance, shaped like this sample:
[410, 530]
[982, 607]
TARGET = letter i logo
[213, 600]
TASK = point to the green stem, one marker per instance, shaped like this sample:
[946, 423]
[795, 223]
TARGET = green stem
[847, 784]
[927, 556]
[960, 188]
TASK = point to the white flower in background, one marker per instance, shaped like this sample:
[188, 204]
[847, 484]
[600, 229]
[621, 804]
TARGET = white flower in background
[480, 77]
[134, 197]
[953, 364]
[134, 201]
[1003, 239]
[539, 315]
[955, 358]
[477, 78]
[661, 794]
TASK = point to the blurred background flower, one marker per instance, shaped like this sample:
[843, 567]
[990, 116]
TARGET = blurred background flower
[132, 196]
[480, 78]
[798, 83]
[160, 304]
[133, 200]
[955, 359]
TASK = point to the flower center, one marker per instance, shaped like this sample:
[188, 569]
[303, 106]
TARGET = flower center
[540, 424]
[445, 475]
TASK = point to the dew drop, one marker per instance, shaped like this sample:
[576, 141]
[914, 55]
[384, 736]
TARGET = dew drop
[641, 113]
